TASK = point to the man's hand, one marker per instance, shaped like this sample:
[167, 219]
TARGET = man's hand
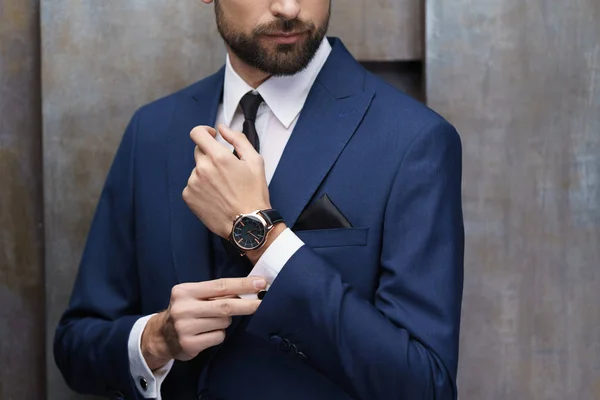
[223, 186]
[196, 319]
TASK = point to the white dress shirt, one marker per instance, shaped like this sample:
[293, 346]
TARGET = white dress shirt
[284, 98]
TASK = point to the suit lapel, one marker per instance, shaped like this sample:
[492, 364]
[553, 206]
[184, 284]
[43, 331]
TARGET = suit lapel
[333, 110]
[190, 240]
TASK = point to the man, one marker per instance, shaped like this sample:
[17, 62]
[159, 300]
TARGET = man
[343, 273]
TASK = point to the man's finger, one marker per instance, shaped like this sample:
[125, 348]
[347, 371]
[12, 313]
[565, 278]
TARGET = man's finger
[204, 137]
[227, 287]
[208, 339]
[198, 154]
[209, 129]
[232, 296]
[192, 345]
[212, 131]
[201, 325]
[239, 141]
[228, 308]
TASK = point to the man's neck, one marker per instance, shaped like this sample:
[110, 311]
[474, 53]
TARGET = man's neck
[252, 76]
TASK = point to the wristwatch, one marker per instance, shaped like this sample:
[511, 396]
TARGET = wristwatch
[250, 231]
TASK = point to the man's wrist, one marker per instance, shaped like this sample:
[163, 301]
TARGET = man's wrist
[153, 345]
[255, 255]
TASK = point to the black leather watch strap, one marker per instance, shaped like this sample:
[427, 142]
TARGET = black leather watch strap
[271, 216]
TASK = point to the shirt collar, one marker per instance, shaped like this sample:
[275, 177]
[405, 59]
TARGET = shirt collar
[285, 95]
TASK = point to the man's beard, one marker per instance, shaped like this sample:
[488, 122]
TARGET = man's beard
[283, 59]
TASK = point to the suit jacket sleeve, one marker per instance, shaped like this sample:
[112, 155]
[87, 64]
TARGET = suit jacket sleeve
[404, 343]
[90, 346]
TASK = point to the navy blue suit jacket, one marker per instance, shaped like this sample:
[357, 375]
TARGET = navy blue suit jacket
[374, 309]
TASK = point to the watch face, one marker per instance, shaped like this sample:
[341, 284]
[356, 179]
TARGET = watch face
[249, 233]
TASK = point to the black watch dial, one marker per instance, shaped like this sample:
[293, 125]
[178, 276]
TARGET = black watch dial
[249, 233]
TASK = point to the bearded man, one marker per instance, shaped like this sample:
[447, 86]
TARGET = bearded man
[289, 228]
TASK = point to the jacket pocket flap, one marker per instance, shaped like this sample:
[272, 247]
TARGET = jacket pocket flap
[337, 237]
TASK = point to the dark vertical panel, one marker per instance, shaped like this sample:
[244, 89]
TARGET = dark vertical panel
[406, 76]
[102, 60]
[521, 81]
[21, 270]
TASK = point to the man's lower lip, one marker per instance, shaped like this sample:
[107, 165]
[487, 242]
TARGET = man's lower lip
[285, 39]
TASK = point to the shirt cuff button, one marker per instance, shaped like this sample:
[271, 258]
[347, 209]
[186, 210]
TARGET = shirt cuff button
[143, 384]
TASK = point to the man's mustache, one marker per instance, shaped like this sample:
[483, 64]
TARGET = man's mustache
[284, 26]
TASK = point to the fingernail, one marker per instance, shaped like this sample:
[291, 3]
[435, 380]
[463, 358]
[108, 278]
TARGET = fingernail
[259, 284]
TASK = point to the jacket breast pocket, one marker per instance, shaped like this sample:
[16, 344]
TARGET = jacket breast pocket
[338, 237]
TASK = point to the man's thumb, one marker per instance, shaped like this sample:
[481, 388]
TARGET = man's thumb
[238, 140]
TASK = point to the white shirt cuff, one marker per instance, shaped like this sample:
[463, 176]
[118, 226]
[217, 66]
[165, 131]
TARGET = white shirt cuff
[148, 383]
[275, 257]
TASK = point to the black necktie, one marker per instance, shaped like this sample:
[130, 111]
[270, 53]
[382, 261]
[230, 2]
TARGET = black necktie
[249, 104]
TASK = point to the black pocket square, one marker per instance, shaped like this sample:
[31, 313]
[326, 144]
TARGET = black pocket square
[322, 214]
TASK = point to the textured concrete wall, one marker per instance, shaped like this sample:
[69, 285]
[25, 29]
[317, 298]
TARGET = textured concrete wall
[382, 30]
[521, 80]
[21, 275]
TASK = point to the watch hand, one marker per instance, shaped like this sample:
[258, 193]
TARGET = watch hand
[255, 237]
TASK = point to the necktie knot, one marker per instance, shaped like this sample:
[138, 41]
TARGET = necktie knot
[249, 104]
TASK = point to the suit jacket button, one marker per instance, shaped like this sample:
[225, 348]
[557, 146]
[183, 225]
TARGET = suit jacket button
[302, 356]
[275, 339]
[143, 384]
[285, 345]
[293, 349]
